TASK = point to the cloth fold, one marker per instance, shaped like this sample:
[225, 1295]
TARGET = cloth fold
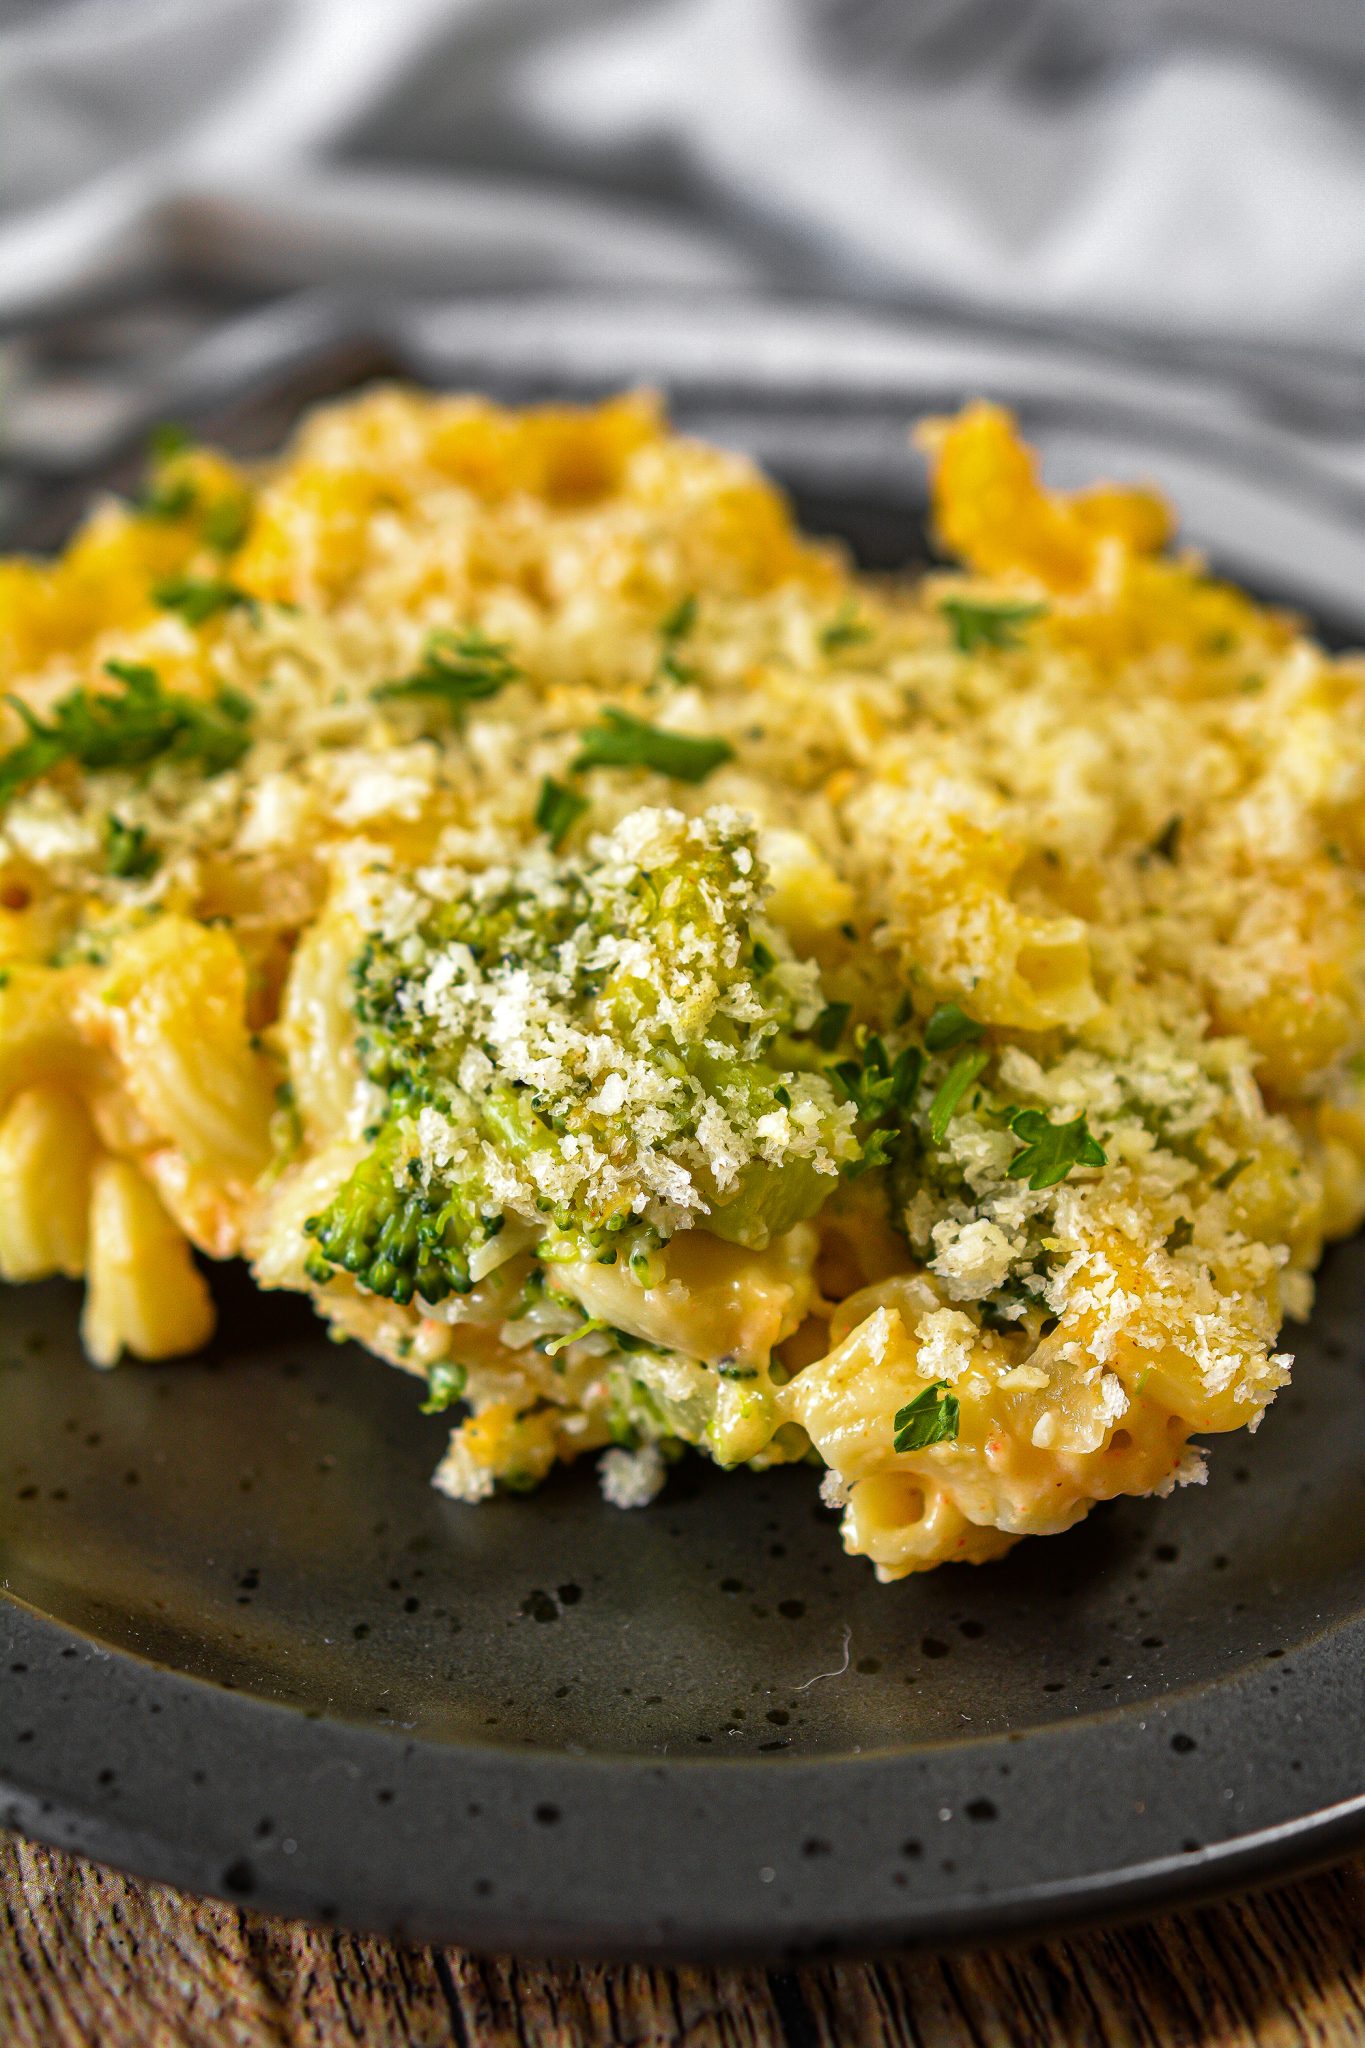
[1190, 171]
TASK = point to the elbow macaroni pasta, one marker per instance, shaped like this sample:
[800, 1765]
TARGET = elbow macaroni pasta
[1075, 822]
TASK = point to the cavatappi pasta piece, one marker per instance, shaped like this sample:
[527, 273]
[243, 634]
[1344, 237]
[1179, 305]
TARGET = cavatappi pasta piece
[40, 1037]
[944, 894]
[144, 1293]
[1036, 1444]
[172, 1009]
[1338, 1139]
[661, 989]
[317, 1027]
[47, 1150]
[716, 1302]
[992, 511]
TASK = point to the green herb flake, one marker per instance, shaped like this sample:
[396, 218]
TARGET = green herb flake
[1224, 1180]
[736, 1372]
[166, 495]
[445, 1385]
[623, 741]
[1181, 1235]
[844, 630]
[828, 1027]
[677, 624]
[964, 1070]
[1166, 845]
[878, 1150]
[129, 728]
[558, 810]
[933, 1417]
[764, 958]
[167, 440]
[456, 669]
[225, 525]
[978, 623]
[128, 853]
[877, 1084]
[1051, 1150]
[675, 627]
[950, 1026]
[198, 598]
[167, 499]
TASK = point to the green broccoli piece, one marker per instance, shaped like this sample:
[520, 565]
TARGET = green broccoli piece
[659, 1068]
[395, 1237]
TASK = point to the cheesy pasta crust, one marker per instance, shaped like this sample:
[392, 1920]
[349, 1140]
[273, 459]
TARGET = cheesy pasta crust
[661, 988]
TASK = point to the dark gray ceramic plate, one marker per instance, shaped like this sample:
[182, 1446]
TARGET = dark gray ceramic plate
[246, 1648]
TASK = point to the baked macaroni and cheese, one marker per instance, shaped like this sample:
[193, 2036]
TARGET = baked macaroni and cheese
[661, 988]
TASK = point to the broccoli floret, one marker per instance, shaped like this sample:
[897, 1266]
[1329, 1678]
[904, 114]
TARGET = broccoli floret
[614, 1041]
[396, 1236]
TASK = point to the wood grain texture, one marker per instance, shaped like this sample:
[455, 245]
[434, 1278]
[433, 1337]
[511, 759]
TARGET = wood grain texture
[88, 1956]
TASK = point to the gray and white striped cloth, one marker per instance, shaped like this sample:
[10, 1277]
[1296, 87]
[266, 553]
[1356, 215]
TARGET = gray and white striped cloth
[1178, 182]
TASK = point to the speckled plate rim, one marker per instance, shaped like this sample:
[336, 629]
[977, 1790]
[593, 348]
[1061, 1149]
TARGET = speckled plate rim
[1188, 1794]
[536, 1851]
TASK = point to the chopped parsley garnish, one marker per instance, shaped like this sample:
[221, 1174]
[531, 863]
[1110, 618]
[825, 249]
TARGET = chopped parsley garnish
[678, 623]
[674, 628]
[1181, 1235]
[1166, 845]
[950, 1026]
[977, 622]
[198, 598]
[128, 853]
[140, 723]
[1051, 1150]
[456, 669]
[167, 440]
[933, 1417]
[763, 957]
[844, 630]
[168, 498]
[558, 810]
[828, 1027]
[623, 741]
[960, 1076]
[225, 525]
[876, 1084]
[879, 1149]
[736, 1372]
[171, 492]
[445, 1384]
[1229, 1174]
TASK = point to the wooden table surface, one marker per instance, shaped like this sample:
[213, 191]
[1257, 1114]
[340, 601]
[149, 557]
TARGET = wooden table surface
[91, 1959]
